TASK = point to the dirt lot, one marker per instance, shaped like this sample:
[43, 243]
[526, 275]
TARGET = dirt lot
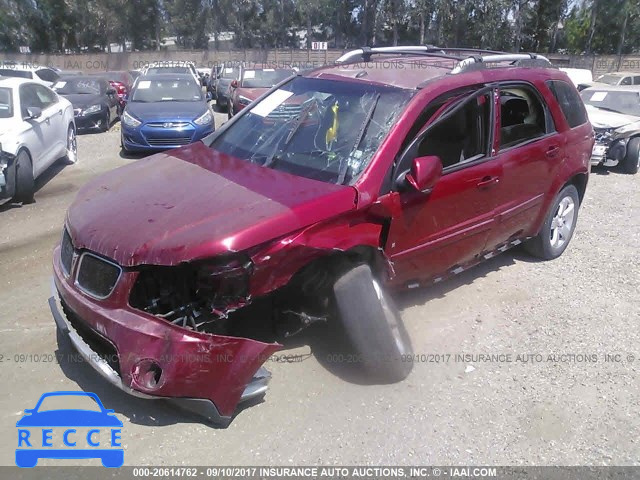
[571, 409]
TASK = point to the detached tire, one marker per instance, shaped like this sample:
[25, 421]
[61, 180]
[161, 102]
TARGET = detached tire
[631, 162]
[373, 325]
[558, 227]
[25, 183]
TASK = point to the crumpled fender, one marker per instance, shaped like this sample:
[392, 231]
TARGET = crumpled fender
[279, 260]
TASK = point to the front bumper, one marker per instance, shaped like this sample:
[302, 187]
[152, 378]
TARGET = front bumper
[91, 121]
[203, 373]
[152, 139]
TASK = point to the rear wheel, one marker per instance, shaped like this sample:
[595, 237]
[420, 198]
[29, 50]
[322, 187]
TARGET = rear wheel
[373, 325]
[558, 228]
[25, 183]
[631, 162]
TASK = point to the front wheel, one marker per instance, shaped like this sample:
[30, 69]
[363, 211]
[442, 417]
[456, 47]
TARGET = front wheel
[106, 122]
[631, 162]
[25, 183]
[373, 325]
[559, 225]
[71, 156]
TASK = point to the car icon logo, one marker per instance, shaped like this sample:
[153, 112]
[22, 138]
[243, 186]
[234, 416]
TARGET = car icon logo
[167, 125]
[60, 433]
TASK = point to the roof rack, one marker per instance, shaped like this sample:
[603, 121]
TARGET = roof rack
[465, 63]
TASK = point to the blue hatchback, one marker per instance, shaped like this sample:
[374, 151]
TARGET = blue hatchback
[35, 433]
[165, 111]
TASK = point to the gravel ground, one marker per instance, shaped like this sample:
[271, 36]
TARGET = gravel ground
[522, 408]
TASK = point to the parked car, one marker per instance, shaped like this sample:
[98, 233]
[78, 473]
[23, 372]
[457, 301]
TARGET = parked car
[338, 186]
[619, 78]
[252, 84]
[214, 74]
[165, 111]
[614, 113]
[122, 81]
[44, 75]
[95, 101]
[581, 77]
[36, 129]
[228, 73]
[171, 66]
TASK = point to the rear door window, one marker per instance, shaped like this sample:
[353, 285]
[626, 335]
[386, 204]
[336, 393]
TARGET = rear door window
[569, 101]
[523, 116]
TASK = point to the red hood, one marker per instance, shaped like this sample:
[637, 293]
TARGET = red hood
[251, 93]
[195, 202]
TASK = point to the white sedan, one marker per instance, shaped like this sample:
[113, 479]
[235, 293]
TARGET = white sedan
[36, 129]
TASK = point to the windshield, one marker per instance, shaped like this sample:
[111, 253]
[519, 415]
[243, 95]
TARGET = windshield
[264, 78]
[167, 90]
[78, 86]
[627, 102]
[609, 79]
[319, 129]
[6, 103]
[156, 70]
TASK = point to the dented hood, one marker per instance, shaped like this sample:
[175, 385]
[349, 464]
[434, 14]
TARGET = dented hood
[600, 118]
[195, 202]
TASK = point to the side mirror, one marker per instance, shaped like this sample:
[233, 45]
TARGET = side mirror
[234, 84]
[425, 173]
[33, 112]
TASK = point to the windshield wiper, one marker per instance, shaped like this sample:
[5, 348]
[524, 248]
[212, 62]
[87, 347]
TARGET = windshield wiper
[301, 118]
[608, 109]
[363, 128]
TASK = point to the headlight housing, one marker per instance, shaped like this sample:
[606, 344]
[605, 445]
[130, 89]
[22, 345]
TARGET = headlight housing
[92, 109]
[204, 119]
[130, 121]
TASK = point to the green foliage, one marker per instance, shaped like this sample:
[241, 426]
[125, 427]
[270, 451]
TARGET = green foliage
[601, 26]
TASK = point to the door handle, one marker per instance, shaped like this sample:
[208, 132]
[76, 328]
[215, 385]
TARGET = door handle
[553, 151]
[488, 181]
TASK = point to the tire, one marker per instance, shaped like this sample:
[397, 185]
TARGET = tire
[106, 122]
[553, 239]
[373, 325]
[25, 183]
[71, 156]
[631, 162]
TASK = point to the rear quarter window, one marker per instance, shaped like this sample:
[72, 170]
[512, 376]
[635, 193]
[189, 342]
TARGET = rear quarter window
[569, 101]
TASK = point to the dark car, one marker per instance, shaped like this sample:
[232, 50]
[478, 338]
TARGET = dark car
[165, 111]
[95, 102]
[122, 81]
[311, 205]
[228, 73]
[252, 84]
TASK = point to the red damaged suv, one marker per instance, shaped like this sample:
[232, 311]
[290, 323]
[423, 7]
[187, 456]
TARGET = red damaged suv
[394, 168]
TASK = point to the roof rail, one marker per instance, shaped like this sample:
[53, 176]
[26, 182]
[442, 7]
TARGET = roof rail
[365, 53]
[516, 59]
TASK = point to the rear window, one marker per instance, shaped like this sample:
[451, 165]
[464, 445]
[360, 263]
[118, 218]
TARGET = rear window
[12, 72]
[570, 102]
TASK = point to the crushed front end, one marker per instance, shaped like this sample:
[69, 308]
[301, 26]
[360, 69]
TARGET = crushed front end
[609, 148]
[162, 332]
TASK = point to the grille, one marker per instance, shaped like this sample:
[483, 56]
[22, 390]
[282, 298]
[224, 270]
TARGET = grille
[168, 124]
[603, 135]
[66, 252]
[285, 111]
[166, 142]
[100, 345]
[97, 276]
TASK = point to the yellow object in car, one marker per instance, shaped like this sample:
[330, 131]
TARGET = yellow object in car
[332, 131]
